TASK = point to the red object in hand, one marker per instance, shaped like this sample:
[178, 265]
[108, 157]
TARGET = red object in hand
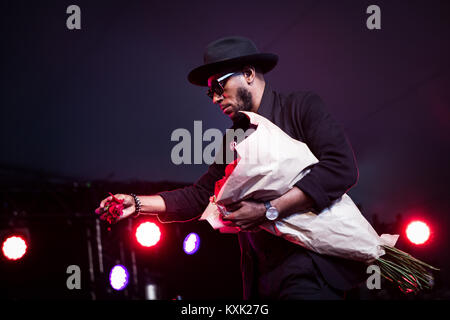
[112, 211]
[228, 171]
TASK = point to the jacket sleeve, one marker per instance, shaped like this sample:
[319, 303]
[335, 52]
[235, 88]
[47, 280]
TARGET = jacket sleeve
[186, 203]
[189, 202]
[336, 172]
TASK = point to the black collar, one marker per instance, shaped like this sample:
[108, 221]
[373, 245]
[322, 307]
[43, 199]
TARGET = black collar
[265, 108]
[267, 101]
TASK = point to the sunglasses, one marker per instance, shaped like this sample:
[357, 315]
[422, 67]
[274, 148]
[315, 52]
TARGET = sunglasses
[217, 85]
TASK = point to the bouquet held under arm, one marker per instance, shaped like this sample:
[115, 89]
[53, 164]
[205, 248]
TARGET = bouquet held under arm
[269, 163]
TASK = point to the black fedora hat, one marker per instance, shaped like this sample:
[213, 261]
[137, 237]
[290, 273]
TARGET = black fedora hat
[228, 54]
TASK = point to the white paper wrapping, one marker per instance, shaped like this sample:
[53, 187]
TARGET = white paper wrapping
[271, 162]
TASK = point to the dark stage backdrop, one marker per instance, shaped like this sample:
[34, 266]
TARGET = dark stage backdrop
[91, 111]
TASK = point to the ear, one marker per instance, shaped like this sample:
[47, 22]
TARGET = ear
[249, 73]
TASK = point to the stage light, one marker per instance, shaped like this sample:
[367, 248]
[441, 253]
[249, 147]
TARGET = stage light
[148, 234]
[151, 291]
[14, 247]
[191, 243]
[118, 277]
[418, 232]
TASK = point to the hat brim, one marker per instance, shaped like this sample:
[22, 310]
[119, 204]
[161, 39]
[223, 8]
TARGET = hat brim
[265, 61]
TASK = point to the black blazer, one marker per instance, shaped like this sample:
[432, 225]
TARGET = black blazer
[303, 116]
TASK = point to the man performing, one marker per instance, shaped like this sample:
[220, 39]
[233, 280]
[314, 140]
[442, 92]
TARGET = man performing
[272, 267]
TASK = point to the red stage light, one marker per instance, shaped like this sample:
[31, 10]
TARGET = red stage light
[14, 248]
[148, 234]
[418, 232]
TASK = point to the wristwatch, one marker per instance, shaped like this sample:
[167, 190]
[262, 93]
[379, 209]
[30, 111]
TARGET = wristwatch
[271, 212]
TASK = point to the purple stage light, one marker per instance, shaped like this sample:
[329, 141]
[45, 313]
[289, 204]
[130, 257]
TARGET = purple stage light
[118, 277]
[191, 243]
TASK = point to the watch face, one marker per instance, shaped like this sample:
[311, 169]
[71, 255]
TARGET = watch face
[271, 213]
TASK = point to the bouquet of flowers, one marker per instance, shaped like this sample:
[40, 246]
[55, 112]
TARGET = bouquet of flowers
[112, 210]
[269, 163]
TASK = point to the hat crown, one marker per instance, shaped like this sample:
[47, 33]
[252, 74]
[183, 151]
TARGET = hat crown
[229, 48]
[228, 54]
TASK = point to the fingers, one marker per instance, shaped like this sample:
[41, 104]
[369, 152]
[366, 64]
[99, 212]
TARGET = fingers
[100, 209]
[232, 220]
[120, 196]
[250, 225]
[230, 217]
[125, 213]
[229, 224]
[234, 206]
[112, 210]
[117, 196]
[102, 204]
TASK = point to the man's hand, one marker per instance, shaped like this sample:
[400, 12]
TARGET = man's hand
[128, 205]
[245, 214]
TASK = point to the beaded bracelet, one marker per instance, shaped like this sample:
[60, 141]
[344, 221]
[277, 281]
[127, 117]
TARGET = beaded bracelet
[137, 204]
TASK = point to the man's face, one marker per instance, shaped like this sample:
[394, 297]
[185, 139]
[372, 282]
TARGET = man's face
[236, 97]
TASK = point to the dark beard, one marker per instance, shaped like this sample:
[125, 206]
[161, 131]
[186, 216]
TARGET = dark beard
[245, 104]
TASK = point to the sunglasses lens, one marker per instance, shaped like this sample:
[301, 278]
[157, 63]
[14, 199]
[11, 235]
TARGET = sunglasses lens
[215, 88]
